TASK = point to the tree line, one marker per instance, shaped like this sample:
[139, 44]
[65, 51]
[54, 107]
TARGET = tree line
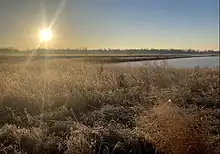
[110, 51]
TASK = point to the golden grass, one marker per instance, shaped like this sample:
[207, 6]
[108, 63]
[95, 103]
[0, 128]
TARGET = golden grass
[66, 107]
[174, 131]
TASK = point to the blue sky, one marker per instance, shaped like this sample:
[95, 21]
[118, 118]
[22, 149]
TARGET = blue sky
[113, 24]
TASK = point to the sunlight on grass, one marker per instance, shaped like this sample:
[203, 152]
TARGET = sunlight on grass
[72, 107]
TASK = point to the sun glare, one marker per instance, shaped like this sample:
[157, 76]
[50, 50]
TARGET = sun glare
[45, 35]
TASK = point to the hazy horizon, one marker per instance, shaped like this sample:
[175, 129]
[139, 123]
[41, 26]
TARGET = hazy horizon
[160, 24]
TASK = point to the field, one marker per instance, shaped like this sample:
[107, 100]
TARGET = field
[67, 106]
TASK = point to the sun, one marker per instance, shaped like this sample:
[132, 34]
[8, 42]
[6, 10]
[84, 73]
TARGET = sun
[45, 35]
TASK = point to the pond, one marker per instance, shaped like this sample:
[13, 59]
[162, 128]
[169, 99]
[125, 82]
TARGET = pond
[177, 63]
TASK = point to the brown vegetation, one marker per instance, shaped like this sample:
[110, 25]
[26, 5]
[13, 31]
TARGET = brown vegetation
[61, 106]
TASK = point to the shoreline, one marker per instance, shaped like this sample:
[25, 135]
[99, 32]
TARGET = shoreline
[99, 58]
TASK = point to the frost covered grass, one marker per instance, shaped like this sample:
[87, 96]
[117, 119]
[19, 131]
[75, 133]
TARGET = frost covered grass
[63, 106]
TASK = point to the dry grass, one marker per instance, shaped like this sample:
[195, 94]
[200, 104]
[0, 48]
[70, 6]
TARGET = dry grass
[174, 131]
[68, 107]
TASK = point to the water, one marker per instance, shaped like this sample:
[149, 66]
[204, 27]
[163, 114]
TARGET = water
[177, 63]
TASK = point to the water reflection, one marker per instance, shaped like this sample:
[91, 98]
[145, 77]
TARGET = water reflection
[176, 63]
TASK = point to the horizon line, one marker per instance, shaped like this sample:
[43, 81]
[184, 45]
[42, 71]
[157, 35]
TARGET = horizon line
[108, 49]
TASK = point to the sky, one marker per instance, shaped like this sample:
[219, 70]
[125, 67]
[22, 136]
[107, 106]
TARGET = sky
[181, 24]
